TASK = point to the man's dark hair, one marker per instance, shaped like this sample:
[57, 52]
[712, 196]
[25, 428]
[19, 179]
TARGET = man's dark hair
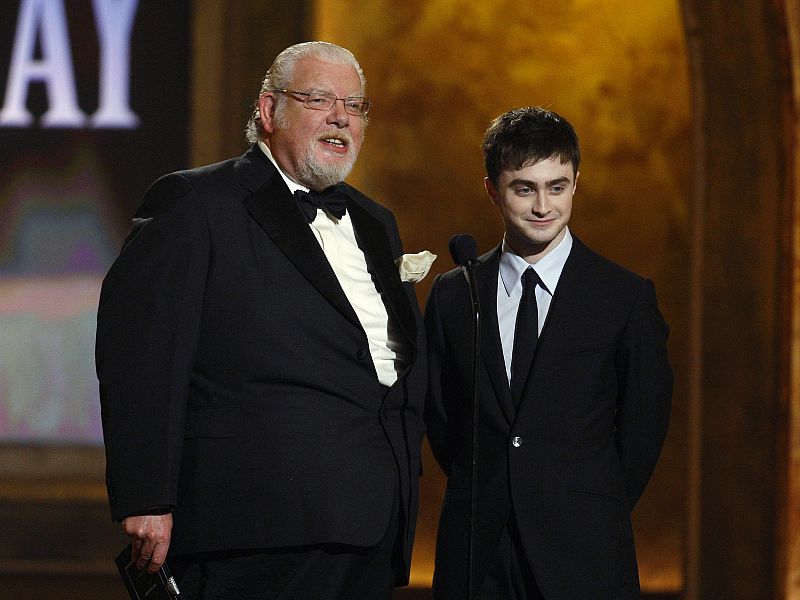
[525, 136]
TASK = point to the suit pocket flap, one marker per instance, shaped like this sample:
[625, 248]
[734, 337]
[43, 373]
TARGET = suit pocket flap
[213, 422]
[599, 495]
[590, 349]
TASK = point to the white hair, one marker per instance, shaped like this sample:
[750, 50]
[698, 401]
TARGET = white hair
[279, 76]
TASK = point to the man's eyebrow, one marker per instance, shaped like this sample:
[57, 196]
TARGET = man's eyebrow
[525, 182]
[532, 184]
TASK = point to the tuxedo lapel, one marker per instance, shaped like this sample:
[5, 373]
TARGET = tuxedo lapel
[374, 243]
[277, 213]
[491, 347]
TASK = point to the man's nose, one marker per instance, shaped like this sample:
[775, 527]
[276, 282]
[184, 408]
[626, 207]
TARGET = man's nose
[541, 204]
[338, 115]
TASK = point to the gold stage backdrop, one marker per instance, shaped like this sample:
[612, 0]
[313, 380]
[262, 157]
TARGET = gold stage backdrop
[440, 70]
[703, 202]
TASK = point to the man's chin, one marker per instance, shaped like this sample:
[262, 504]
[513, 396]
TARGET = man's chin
[325, 173]
[329, 161]
[319, 179]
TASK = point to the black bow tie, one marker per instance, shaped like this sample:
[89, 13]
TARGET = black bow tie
[333, 199]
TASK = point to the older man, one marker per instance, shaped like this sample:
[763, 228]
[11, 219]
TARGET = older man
[261, 362]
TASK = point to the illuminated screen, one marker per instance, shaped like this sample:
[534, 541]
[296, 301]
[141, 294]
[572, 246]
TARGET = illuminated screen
[93, 107]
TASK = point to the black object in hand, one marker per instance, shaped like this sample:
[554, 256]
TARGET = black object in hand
[143, 585]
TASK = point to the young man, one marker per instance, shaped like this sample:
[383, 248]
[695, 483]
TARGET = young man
[574, 390]
[262, 364]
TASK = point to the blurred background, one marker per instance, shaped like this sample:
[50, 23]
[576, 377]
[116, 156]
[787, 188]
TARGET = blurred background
[687, 112]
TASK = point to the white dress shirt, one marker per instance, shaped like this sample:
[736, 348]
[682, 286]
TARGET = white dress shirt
[338, 241]
[509, 289]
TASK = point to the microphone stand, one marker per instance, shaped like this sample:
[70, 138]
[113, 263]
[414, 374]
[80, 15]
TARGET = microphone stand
[476, 336]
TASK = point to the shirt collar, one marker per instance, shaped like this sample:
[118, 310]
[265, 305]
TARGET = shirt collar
[548, 268]
[293, 185]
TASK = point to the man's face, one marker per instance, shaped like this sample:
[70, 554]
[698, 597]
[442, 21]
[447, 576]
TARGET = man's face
[535, 203]
[316, 148]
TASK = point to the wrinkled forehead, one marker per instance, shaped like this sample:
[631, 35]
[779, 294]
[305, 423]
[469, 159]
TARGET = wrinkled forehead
[312, 73]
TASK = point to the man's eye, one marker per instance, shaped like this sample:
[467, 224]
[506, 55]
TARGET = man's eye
[557, 189]
[315, 100]
[524, 191]
[354, 104]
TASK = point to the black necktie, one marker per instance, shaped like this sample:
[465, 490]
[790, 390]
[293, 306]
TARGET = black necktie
[526, 334]
[333, 199]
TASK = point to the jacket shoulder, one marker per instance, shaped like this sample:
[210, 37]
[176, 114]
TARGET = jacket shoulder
[606, 268]
[377, 210]
[179, 183]
[455, 276]
[213, 185]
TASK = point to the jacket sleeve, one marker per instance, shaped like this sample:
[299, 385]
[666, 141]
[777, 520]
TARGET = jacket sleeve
[436, 418]
[148, 324]
[645, 392]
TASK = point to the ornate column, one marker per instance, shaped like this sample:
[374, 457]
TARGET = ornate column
[742, 222]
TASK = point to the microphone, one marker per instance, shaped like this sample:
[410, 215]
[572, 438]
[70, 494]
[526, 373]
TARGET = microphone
[463, 249]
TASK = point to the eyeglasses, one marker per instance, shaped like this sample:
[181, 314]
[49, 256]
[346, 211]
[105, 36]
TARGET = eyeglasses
[354, 105]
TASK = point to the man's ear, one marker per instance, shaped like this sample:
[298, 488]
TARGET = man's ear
[575, 185]
[266, 111]
[491, 190]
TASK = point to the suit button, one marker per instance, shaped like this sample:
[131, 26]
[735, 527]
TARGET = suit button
[362, 354]
[516, 442]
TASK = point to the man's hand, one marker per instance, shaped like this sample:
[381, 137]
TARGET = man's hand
[150, 536]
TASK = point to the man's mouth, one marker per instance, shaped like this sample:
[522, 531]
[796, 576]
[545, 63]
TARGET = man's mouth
[335, 142]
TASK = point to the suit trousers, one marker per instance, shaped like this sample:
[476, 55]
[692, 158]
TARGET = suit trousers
[319, 572]
[510, 576]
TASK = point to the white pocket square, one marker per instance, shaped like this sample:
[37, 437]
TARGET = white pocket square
[413, 267]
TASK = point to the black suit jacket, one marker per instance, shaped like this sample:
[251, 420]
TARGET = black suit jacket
[572, 460]
[236, 381]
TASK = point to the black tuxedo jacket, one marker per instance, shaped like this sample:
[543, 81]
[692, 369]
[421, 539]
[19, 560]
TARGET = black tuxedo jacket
[236, 381]
[572, 460]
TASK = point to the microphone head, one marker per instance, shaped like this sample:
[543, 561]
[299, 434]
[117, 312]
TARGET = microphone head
[463, 249]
